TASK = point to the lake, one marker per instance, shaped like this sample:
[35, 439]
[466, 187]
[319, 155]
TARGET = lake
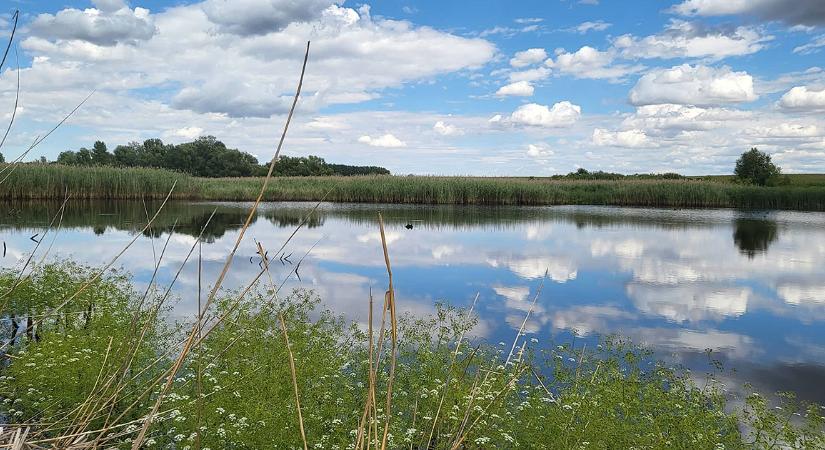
[750, 285]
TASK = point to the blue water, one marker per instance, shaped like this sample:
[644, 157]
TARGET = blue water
[748, 285]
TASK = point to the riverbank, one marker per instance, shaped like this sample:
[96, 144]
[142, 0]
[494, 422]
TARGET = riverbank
[34, 181]
[88, 357]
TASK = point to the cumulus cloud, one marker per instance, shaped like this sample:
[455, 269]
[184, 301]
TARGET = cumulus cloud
[387, 140]
[562, 114]
[243, 75]
[188, 132]
[588, 62]
[446, 129]
[538, 73]
[785, 130]
[539, 151]
[528, 57]
[519, 88]
[804, 98]
[664, 117]
[793, 12]
[599, 25]
[112, 22]
[628, 138]
[693, 85]
[255, 17]
[683, 39]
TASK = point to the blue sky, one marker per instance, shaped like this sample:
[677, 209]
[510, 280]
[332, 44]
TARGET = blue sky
[462, 87]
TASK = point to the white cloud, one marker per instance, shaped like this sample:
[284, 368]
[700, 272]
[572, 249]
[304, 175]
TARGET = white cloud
[794, 12]
[257, 17]
[682, 118]
[588, 62]
[804, 98]
[689, 302]
[387, 140]
[539, 151]
[255, 75]
[628, 138]
[528, 57]
[785, 130]
[539, 73]
[562, 114]
[109, 25]
[691, 40]
[693, 85]
[519, 88]
[598, 25]
[189, 132]
[805, 294]
[812, 47]
[526, 20]
[446, 129]
[559, 269]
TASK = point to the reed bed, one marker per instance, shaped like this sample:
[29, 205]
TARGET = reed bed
[34, 181]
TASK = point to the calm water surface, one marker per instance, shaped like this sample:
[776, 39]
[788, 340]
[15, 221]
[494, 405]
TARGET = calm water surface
[749, 285]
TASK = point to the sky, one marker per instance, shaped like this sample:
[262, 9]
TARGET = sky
[469, 87]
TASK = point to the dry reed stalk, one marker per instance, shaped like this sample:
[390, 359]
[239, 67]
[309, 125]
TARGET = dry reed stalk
[187, 347]
[198, 388]
[457, 444]
[526, 317]
[294, 381]
[15, 17]
[20, 277]
[13, 165]
[153, 314]
[81, 421]
[390, 301]
[108, 265]
[450, 370]
[17, 91]
[371, 381]
[103, 401]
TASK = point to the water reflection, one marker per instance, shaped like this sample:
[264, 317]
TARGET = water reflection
[753, 236]
[680, 281]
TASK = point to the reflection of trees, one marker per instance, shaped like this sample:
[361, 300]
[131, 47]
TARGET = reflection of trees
[754, 236]
[185, 217]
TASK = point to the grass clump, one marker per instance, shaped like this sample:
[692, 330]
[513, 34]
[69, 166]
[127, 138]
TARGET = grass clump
[234, 391]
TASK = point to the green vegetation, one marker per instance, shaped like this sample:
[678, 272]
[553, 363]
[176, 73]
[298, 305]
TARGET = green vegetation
[82, 374]
[204, 157]
[755, 167]
[38, 181]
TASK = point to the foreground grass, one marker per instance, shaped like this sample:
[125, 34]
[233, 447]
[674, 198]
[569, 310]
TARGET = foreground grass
[235, 390]
[34, 181]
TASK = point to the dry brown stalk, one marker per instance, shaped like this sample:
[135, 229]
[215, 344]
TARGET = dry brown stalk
[390, 302]
[197, 327]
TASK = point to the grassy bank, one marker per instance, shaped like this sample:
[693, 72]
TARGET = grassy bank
[90, 372]
[53, 181]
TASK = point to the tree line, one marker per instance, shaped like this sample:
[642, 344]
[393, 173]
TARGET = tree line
[205, 157]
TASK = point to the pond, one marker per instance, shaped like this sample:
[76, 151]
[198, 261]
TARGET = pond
[750, 285]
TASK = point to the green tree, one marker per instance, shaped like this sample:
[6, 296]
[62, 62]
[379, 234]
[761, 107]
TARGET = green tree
[101, 155]
[756, 167]
[68, 158]
[2, 158]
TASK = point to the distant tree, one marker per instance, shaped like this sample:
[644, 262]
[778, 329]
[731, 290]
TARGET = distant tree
[68, 158]
[101, 155]
[43, 160]
[756, 167]
[84, 157]
[2, 158]
[345, 170]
